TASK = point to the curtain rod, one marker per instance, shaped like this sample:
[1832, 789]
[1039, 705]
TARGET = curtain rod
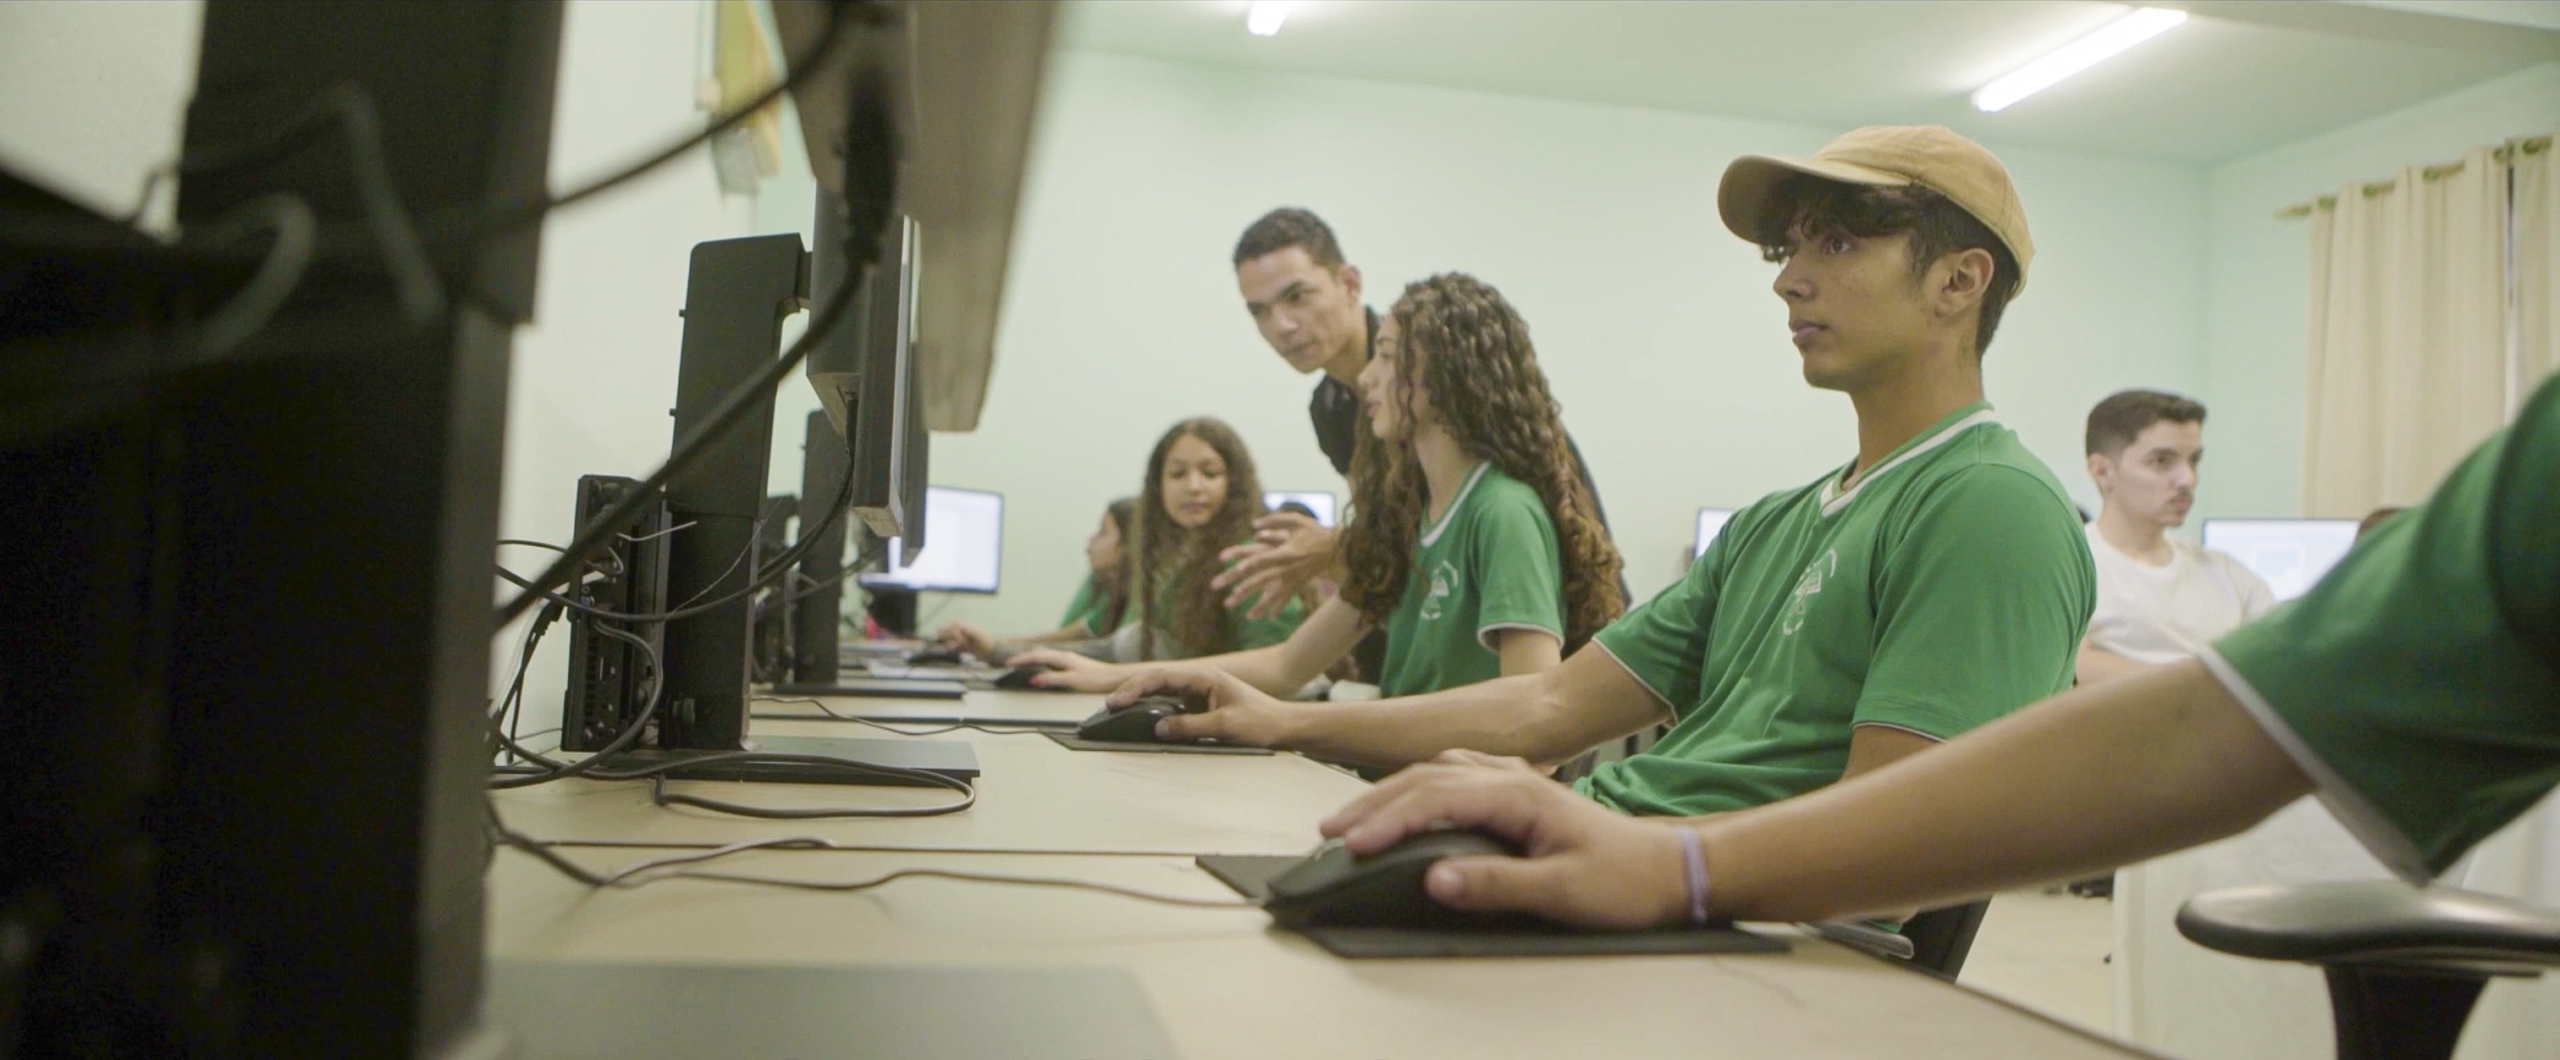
[2508, 152]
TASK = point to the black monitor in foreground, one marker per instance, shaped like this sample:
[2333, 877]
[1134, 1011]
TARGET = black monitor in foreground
[866, 375]
[195, 862]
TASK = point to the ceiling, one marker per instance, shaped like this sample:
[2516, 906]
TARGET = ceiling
[2241, 77]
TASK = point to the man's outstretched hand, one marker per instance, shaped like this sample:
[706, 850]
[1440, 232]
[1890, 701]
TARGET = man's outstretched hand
[1288, 550]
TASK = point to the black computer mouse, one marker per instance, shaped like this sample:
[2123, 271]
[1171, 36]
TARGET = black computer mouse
[1018, 679]
[1332, 887]
[1135, 723]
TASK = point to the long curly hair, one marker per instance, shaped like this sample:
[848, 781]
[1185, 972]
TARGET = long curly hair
[1470, 350]
[1163, 553]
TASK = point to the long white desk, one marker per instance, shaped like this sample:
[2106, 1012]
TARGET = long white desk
[1223, 984]
[1033, 796]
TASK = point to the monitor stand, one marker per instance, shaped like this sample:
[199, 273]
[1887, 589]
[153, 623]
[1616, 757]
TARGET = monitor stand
[879, 688]
[954, 759]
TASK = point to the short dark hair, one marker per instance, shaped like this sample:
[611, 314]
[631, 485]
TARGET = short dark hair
[1938, 227]
[1289, 226]
[2125, 414]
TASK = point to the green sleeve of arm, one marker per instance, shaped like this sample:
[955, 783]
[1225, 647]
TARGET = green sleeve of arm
[1981, 606]
[2419, 682]
[1663, 641]
[1520, 581]
[1080, 611]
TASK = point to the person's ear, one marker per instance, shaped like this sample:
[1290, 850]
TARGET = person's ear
[1348, 275]
[1962, 279]
[2103, 472]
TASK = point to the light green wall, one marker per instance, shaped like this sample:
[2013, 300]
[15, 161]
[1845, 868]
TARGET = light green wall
[2258, 301]
[1656, 327]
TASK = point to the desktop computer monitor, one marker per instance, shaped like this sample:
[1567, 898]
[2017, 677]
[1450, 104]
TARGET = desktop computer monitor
[866, 375]
[1710, 523]
[2290, 555]
[967, 549]
[1319, 503]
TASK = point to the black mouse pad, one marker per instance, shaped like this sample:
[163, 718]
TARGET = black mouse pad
[1073, 742]
[1556, 942]
[1250, 875]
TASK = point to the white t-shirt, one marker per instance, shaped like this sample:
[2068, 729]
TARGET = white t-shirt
[2156, 615]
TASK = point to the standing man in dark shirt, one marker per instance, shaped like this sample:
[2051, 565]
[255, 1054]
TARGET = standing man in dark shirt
[1306, 300]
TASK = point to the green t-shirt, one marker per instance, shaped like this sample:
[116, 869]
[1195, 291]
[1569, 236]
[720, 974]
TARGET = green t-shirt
[1948, 587]
[2418, 684]
[1490, 564]
[1085, 612]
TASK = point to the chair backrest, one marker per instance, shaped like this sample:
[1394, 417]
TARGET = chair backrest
[1941, 937]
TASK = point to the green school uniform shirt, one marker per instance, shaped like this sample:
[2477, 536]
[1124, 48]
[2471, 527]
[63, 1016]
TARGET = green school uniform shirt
[1489, 564]
[1949, 586]
[2418, 684]
[1085, 611]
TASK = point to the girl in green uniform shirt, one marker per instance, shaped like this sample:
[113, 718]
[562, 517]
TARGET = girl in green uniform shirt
[1201, 496]
[1471, 539]
[1096, 609]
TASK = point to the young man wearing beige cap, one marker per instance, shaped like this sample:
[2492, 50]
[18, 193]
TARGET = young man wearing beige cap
[1936, 582]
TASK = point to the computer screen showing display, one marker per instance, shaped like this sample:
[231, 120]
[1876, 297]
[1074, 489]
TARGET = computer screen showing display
[1710, 522]
[1319, 503]
[964, 552]
[2289, 554]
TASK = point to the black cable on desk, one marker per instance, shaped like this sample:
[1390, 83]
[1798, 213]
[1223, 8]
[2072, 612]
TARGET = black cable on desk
[630, 734]
[640, 873]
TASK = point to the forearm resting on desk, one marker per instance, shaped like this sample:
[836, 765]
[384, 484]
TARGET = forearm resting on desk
[1543, 717]
[2101, 776]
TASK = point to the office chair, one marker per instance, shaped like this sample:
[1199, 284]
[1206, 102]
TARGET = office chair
[2404, 964]
[1941, 937]
[1934, 941]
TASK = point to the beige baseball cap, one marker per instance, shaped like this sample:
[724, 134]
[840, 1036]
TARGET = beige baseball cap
[1931, 156]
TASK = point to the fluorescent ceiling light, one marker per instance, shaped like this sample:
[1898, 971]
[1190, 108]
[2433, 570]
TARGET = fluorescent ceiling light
[1262, 18]
[2110, 39]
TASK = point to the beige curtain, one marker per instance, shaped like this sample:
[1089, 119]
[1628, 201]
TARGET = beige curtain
[2537, 215]
[2409, 365]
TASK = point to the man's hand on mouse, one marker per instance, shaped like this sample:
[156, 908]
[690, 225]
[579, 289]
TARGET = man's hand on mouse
[1070, 671]
[1235, 712]
[1584, 864]
[1287, 551]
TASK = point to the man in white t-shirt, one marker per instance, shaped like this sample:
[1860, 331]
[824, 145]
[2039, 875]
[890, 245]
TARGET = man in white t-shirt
[2160, 598]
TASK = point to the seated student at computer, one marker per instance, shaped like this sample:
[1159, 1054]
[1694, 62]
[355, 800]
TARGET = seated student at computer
[1201, 497]
[1096, 609]
[1936, 582]
[2161, 598]
[1472, 542]
[2416, 689]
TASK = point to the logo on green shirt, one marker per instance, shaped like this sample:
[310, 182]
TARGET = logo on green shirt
[1441, 576]
[1807, 587]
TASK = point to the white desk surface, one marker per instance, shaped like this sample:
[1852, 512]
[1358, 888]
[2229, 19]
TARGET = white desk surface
[1034, 797]
[1225, 985]
[998, 706]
